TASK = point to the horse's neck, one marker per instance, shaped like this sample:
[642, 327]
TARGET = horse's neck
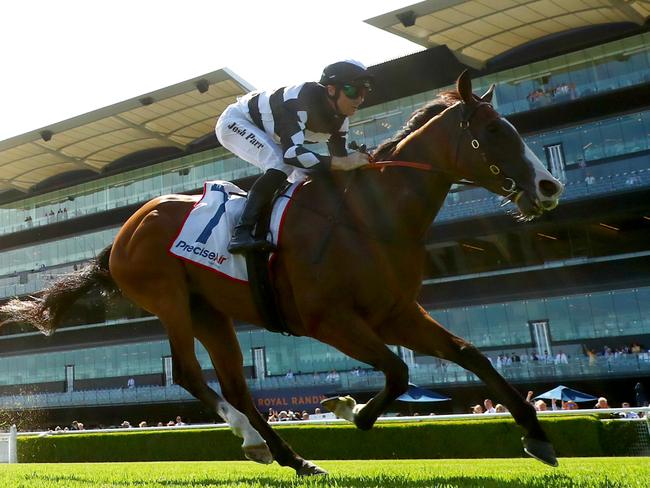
[398, 204]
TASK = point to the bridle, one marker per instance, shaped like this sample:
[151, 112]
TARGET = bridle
[466, 115]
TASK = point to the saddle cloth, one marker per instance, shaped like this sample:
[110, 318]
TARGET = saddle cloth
[204, 236]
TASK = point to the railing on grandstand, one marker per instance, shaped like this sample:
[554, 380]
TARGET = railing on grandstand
[431, 375]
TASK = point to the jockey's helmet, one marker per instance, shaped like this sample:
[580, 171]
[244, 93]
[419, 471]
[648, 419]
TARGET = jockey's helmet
[348, 71]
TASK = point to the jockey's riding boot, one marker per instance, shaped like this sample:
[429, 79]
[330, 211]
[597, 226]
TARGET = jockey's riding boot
[259, 195]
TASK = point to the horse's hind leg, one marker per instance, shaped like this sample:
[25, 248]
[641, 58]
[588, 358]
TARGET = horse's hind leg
[170, 302]
[418, 331]
[217, 334]
[187, 373]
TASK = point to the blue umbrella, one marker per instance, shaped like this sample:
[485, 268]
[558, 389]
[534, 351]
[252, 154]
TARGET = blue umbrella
[565, 393]
[417, 394]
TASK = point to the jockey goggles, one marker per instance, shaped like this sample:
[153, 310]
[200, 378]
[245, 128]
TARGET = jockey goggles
[356, 90]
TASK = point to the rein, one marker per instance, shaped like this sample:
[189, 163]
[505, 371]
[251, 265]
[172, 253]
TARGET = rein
[382, 165]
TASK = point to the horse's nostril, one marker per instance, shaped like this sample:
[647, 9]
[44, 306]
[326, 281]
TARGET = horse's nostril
[548, 188]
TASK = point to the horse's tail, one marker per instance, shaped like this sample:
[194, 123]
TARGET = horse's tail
[46, 311]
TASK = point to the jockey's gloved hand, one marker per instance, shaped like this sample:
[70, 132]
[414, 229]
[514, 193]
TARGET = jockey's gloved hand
[354, 145]
[353, 160]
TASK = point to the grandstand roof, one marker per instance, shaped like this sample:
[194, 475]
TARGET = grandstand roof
[171, 117]
[478, 30]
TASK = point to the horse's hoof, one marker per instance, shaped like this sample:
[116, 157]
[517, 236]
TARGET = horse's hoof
[541, 450]
[343, 407]
[310, 469]
[259, 453]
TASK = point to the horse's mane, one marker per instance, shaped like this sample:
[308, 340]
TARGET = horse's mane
[415, 121]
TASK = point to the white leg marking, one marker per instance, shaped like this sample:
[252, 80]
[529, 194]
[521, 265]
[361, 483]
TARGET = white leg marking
[240, 425]
[254, 445]
[344, 407]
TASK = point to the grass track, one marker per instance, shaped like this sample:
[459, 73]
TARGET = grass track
[501, 473]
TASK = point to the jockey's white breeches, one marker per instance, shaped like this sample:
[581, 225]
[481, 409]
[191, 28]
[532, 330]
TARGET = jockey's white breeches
[237, 133]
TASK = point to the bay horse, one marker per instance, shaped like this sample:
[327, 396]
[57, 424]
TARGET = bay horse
[357, 293]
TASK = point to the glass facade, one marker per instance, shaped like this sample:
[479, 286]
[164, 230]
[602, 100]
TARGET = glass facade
[69, 250]
[608, 314]
[131, 187]
[571, 318]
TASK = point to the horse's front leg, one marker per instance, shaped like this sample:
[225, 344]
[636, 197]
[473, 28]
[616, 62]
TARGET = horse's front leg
[418, 331]
[352, 336]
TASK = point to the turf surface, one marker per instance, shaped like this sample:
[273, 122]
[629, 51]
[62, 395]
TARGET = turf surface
[502, 473]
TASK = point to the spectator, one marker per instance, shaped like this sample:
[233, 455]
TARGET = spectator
[171, 423]
[489, 407]
[283, 416]
[601, 403]
[569, 405]
[628, 415]
[592, 357]
[529, 397]
[477, 409]
[332, 376]
[541, 406]
[179, 421]
[561, 358]
[289, 375]
[125, 425]
[160, 424]
[305, 415]
[130, 383]
[142, 424]
[500, 408]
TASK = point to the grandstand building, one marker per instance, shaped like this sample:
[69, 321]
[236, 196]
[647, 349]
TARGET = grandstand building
[561, 300]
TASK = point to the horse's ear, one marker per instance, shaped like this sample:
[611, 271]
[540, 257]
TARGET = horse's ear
[464, 87]
[487, 96]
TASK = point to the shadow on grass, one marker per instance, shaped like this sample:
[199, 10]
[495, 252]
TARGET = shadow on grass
[551, 480]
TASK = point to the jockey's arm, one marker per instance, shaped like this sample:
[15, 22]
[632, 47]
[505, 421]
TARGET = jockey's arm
[292, 137]
[337, 144]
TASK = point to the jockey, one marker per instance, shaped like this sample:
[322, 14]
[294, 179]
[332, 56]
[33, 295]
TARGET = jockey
[269, 129]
